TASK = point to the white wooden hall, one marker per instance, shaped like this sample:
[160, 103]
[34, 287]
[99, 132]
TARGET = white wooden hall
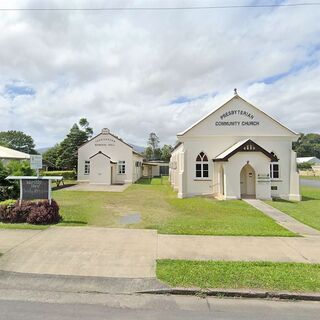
[107, 159]
[237, 151]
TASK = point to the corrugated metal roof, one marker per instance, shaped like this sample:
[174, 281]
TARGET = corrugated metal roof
[307, 159]
[7, 153]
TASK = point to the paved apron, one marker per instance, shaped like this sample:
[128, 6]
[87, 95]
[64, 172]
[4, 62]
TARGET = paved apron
[82, 251]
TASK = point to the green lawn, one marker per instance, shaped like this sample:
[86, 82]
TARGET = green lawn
[306, 211]
[298, 277]
[310, 177]
[22, 226]
[160, 209]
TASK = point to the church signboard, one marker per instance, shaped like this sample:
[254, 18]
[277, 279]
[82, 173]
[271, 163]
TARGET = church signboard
[35, 188]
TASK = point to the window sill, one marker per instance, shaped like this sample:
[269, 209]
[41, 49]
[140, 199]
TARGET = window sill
[202, 179]
[275, 180]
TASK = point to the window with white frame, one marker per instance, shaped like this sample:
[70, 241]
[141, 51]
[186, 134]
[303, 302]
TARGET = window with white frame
[274, 170]
[121, 167]
[202, 166]
[87, 167]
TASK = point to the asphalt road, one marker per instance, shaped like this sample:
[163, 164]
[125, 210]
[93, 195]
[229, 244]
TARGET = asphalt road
[310, 183]
[183, 308]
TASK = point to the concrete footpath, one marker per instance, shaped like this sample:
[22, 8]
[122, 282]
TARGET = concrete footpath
[132, 253]
[276, 249]
[283, 219]
[80, 251]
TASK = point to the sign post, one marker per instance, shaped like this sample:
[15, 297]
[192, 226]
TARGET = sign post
[36, 162]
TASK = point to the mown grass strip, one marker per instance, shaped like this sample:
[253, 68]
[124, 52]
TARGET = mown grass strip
[294, 277]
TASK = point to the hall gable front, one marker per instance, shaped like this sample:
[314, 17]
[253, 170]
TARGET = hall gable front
[93, 163]
[237, 117]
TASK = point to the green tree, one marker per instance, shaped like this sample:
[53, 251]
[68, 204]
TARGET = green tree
[153, 143]
[20, 168]
[52, 156]
[8, 189]
[166, 152]
[148, 153]
[157, 154]
[308, 145]
[17, 140]
[68, 153]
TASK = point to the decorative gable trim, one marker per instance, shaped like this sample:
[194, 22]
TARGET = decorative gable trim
[247, 146]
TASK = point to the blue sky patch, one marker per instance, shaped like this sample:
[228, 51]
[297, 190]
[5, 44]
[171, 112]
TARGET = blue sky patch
[13, 90]
[186, 99]
[293, 70]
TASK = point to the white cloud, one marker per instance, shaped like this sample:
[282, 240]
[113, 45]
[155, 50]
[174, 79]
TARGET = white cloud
[122, 69]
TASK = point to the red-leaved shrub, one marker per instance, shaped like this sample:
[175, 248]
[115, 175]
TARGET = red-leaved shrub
[40, 212]
[44, 213]
[19, 213]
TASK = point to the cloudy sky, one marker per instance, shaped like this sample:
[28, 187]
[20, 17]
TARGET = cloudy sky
[141, 71]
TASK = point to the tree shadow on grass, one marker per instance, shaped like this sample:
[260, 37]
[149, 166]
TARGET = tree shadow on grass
[73, 222]
[304, 198]
[63, 186]
[144, 181]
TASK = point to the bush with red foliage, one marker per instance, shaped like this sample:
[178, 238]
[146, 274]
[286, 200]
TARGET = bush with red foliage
[44, 213]
[32, 212]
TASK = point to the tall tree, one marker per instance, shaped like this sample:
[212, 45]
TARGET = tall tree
[153, 143]
[17, 140]
[78, 135]
[308, 145]
[148, 153]
[166, 152]
[52, 156]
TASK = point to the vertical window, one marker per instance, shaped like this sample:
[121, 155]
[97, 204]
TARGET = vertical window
[121, 167]
[274, 170]
[202, 166]
[87, 167]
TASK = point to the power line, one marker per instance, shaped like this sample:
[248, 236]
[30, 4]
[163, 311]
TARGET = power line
[301, 4]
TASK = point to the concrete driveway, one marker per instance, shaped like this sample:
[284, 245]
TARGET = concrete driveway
[80, 251]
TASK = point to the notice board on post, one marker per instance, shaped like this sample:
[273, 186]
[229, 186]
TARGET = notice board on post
[34, 189]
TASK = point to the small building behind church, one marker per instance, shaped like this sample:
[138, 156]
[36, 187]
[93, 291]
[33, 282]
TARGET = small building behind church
[7, 155]
[107, 159]
[237, 151]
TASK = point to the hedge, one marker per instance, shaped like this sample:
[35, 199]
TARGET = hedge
[40, 212]
[67, 174]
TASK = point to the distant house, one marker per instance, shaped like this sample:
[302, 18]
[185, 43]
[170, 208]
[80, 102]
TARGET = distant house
[155, 168]
[7, 154]
[312, 160]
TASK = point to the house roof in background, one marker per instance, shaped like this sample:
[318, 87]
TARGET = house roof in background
[307, 159]
[7, 153]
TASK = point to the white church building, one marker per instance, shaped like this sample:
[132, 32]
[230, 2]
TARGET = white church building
[107, 159]
[235, 152]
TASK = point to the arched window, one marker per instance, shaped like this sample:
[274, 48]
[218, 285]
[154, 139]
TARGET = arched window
[202, 166]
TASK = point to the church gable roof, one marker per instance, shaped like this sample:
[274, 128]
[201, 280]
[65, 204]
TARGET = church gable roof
[237, 116]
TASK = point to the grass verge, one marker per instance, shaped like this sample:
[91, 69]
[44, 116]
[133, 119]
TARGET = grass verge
[307, 211]
[22, 226]
[294, 277]
[310, 177]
